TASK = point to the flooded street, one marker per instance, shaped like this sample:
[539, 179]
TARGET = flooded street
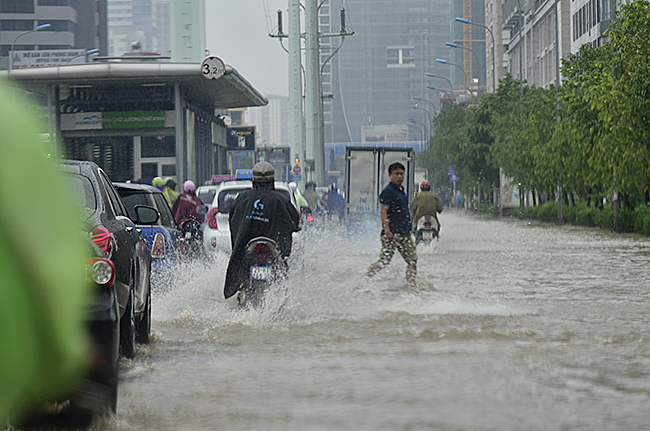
[512, 326]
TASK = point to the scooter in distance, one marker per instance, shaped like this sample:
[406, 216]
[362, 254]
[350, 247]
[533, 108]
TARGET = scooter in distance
[266, 267]
[426, 230]
[193, 234]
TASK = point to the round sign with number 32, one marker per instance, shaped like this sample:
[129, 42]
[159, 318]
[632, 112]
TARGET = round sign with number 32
[213, 68]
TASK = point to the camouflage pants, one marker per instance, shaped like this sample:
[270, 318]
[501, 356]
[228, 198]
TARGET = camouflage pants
[402, 242]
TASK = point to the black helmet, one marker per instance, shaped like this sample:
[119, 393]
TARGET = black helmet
[263, 172]
[311, 185]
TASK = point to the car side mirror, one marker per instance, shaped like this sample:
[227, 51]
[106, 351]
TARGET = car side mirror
[146, 214]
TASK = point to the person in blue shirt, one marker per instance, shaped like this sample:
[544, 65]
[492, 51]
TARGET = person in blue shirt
[396, 225]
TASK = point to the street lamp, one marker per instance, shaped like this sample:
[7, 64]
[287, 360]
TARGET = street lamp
[428, 101]
[413, 122]
[443, 61]
[11, 59]
[431, 87]
[87, 53]
[494, 52]
[455, 45]
[431, 75]
[428, 117]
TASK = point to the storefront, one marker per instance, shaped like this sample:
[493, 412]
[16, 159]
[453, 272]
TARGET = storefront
[141, 120]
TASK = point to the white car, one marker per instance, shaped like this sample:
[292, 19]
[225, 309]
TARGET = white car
[216, 234]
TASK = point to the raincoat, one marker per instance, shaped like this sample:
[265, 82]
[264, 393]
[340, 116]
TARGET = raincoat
[262, 211]
[425, 203]
[185, 208]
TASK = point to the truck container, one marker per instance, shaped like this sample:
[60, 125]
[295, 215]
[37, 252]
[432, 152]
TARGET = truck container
[366, 175]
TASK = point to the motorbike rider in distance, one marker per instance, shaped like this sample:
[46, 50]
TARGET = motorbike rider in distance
[425, 203]
[186, 205]
[262, 211]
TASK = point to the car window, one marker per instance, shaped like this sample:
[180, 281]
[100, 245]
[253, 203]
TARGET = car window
[84, 192]
[227, 197]
[132, 198]
[207, 196]
[166, 216]
[116, 201]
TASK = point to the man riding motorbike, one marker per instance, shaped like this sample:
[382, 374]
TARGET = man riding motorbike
[262, 211]
[425, 203]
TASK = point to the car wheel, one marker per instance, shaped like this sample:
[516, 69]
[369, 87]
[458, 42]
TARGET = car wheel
[143, 327]
[127, 330]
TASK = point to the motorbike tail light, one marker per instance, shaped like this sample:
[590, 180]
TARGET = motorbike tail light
[427, 224]
[158, 246]
[101, 271]
[103, 238]
[310, 218]
[212, 218]
[262, 251]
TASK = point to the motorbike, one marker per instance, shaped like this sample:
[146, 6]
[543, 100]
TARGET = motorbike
[426, 230]
[193, 234]
[267, 266]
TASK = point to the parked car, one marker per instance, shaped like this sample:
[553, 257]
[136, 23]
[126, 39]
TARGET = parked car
[108, 223]
[164, 238]
[206, 193]
[216, 234]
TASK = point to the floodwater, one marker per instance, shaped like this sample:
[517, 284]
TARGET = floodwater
[512, 326]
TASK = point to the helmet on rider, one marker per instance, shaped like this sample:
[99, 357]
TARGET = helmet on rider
[263, 172]
[425, 185]
[293, 186]
[311, 185]
[157, 181]
[189, 186]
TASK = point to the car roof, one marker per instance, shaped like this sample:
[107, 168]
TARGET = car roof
[137, 187]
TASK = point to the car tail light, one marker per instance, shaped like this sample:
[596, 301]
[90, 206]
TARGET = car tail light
[158, 246]
[262, 251]
[101, 271]
[103, 238]
[212, 218]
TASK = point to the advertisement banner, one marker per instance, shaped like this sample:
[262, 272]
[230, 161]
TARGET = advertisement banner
[384, 133]
[52, 57]
[241, 138]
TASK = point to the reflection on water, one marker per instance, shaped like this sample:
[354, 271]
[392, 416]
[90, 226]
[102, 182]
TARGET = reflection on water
[511, 326]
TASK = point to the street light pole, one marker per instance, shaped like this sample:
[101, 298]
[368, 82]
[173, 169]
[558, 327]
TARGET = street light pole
[428, 118]
[431, 87]
[87, 53]
[413, 122]
[431, 75]
[443, 61]
[11, 59]
[494, 53]
[455, 45]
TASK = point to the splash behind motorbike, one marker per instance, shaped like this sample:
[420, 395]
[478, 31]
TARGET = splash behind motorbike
[267, 266]
[426, 230]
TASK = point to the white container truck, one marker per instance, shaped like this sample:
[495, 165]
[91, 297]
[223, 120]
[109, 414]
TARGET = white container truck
[366, 175]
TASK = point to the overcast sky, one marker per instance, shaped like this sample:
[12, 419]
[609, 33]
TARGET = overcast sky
[237, 31]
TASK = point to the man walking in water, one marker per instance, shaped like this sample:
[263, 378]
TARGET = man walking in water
[396, 225]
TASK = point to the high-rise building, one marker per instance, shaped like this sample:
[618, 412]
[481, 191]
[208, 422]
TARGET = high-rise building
[139, 25]
[271, 121]
[74, 24]
[376, 73]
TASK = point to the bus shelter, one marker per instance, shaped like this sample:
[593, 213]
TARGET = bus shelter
[138, 120]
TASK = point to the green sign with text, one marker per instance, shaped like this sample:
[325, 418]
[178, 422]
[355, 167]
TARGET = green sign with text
[132, 119]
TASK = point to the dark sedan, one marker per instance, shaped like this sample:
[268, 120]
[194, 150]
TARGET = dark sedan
[114, 232]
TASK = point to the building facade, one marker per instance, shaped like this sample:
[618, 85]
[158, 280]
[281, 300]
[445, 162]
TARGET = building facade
[74, 24]
[271, 121]
[373, 77]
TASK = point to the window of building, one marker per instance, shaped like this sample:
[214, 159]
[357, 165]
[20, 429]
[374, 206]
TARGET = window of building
[158, 146]
[54, 2]
[59, 25]
[400, 56]
[16, 25]
[17, 6]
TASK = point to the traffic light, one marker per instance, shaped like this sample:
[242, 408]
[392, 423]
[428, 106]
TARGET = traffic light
[297, 160]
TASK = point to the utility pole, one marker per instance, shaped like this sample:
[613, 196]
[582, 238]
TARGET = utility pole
[311, 149]
[313, 94]
[296, 135]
